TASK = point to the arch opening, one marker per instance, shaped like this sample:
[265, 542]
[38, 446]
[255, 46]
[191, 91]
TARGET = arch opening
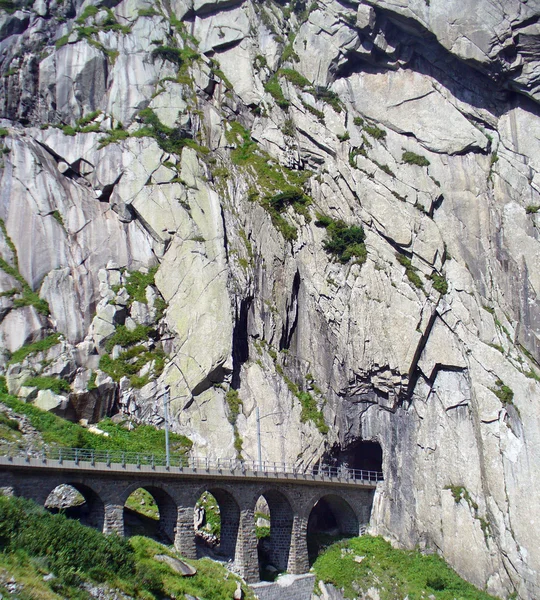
[77, 501]
[216, 523]
[273, 525]
[151, 512]
[331, 519]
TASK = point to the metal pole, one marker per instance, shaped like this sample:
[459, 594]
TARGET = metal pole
[166, 414]
[259, 448]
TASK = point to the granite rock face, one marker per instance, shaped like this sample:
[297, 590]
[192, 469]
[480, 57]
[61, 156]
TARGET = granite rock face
[170, 178]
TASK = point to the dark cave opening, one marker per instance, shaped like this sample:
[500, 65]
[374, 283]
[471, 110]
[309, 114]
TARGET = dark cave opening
[366, 455]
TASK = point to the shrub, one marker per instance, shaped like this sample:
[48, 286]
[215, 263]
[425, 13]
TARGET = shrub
[343, 241]
[137, 282]
[532, 209]
[439, 283]
[358, 121]
[234, 403]
[503, 393]
[412, 158]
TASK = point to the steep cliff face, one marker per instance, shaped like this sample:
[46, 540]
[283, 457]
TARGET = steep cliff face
[182, 188]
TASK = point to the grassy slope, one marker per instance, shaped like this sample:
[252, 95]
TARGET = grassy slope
[395, 573]
[35, 543]
[58, 431]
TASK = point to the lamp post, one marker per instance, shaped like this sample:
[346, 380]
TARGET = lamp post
[166, 415]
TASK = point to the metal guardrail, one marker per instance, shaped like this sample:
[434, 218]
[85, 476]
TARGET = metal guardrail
[179, 462]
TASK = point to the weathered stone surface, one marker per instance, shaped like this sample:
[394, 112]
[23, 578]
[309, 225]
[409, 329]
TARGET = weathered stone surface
[408, 130]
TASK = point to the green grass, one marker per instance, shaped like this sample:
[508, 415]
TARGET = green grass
[54, 384]
[39, 346]
[36, 543]
[411, 158]
[3, 132]
[113, 137]
[410, 271]
[143, 502]
[532, 209]
[394, 573]
[57, 431]
[274, 89]
[170, 139]
[375, 132]
[137, 282]
[439, 283]
[503, 393]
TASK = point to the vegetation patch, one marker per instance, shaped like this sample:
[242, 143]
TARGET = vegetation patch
[234, 404]
[277, 187]
[460, 493]
[54, 384]
[145, 439]
[310, 409]
[439, 283]
[410, 271]
[172, 140]
[211, 514]
[503, 393]
[33, 348]
[27, 296]
[358, 564]
[411, 158]
[532, 209]
[375, 132]
[274, 89]
[77, 554]
[343, 241]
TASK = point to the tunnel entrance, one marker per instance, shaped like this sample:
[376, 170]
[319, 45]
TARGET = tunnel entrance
[364, 455]
[79, 502]
[331, 519]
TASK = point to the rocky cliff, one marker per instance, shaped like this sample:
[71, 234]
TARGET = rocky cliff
[326, 210]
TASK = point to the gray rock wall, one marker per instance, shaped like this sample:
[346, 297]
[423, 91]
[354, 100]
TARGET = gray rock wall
[417, 120]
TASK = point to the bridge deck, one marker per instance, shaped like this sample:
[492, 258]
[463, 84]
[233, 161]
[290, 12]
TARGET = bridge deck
[74, 459]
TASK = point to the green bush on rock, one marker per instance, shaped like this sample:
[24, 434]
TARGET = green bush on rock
[343, 241]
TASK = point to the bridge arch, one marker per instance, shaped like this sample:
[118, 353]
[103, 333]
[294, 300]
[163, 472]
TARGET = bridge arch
[164, 524]
[275, 549]
[331, 517]
[62, 497]
[229, 515]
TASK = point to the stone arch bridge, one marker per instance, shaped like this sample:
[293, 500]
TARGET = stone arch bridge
[291, 497]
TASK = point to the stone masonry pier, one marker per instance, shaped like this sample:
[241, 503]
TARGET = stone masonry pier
[291, 498]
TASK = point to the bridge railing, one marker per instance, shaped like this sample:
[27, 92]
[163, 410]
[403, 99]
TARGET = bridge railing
[178, 462]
